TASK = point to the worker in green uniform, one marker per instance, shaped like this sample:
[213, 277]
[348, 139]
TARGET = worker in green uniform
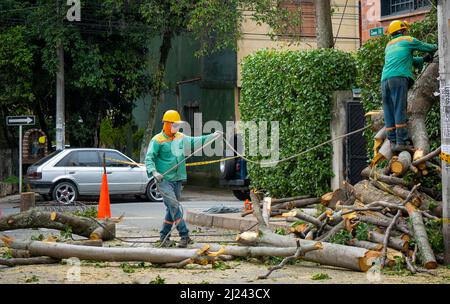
[165, 161]
[397, 78]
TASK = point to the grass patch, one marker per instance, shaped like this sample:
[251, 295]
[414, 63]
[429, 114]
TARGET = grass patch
[131, 268]
[89, 212]
[220, 265]
[32, 279]
[158, 280]
[320, 276]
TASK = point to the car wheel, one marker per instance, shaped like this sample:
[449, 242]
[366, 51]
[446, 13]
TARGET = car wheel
[152, 192]
[242, 195]
[227, 168]
[65, 193]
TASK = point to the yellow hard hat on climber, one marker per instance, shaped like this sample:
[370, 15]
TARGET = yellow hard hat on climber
[42, 139]
[397, 25]
[172, 116]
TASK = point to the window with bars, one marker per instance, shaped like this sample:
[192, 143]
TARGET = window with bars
[396, 7]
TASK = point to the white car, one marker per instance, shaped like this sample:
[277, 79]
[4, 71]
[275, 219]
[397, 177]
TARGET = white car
[67, 174]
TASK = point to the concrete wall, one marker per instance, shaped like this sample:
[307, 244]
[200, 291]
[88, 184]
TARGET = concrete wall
[371, 17]
[256, 37]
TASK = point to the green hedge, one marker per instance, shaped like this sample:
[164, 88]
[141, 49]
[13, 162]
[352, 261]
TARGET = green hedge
[295, 88]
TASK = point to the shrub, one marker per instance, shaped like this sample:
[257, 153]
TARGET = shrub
[295, 88]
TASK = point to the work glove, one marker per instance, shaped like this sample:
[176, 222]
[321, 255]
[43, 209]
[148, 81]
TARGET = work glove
[158, 176]
[427, 58]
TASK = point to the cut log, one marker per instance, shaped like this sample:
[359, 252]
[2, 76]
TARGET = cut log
[332, 198]
[354, 258]
[378, 175]
[307, 218]
[396, 243]
[368, 193]
[365, 244]
[276, 201]
[325, 237]
[421, 238]
[383, 223]
[28, 261]
[82, 226]
[297, 203]
[401, 164]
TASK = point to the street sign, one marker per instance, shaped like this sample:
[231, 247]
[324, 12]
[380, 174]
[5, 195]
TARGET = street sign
[377, 31]
[20, 120]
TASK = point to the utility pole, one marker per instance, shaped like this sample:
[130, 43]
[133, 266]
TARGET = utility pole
[60, 101]
[443, 11]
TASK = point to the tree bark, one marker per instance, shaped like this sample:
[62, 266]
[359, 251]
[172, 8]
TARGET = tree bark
[421, 99]
[332, 198]
[276, 201]
[369, 193]
[365, 244]
[420, 235]
[349, 257]
[28, 261]
[82, 226]
[324, 27]
[164, 50]
[300, 203]
[393, 242]
[378, 175]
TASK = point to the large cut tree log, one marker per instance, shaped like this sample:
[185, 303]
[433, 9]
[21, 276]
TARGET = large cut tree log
[82, 226]
[420, 235]
[369, 193]
[349, 257]
[420, 100]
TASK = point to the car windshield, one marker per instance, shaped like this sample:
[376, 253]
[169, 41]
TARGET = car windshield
[46, 158]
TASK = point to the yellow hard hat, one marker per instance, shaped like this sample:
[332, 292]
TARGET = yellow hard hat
[397, 25]
[172, 116]
[42, 139]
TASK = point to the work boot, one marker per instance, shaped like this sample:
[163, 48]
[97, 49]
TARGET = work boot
[184, 242]
[167, 243]
[403, 147]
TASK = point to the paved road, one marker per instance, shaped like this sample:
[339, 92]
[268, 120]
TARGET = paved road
[148, 215]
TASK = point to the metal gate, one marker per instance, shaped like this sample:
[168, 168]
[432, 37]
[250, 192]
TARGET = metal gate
[355, 145]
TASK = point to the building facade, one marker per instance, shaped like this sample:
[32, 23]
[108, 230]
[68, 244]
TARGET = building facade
[379, 13]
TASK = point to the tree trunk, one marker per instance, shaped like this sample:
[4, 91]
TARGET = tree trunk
[332, 198]
[28, 261]
[420, 235]
[164, 50]
[324, 27]
[349, 257]
[300, 203]
[276, 201]
[420, 101]
[82, 226]
[365, 244]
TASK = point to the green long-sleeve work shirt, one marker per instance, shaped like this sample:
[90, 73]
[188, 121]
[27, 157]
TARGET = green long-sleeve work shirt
[399, 59]
[164, 153]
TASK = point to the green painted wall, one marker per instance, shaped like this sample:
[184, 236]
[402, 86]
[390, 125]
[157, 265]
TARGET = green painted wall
[213, 94]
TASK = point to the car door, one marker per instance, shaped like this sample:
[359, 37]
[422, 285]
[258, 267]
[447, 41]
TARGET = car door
[123, 178]
[84, 167]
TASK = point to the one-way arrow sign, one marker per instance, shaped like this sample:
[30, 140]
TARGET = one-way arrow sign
[20, 120]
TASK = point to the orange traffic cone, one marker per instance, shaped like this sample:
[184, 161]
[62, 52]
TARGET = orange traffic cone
[104, 208]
